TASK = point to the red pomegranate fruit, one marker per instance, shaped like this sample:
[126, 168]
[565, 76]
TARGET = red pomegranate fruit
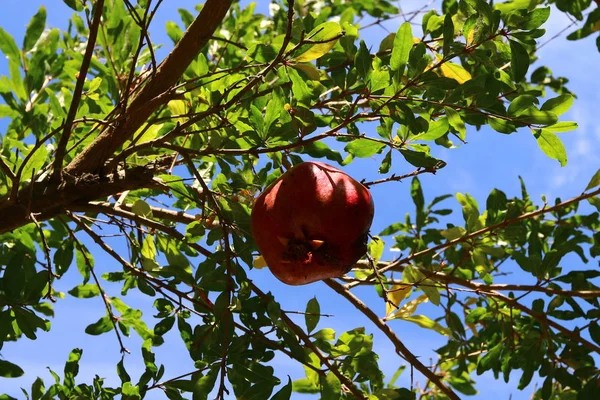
[312, 223]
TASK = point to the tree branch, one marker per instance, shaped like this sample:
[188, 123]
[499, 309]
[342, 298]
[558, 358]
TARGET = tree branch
[500, 225]
[169, 230]
[584, 294]
[87, 58]
[144, 104]
[302, 335]
[88, 264]
[48, 199]
[482, 288]
[401, 349]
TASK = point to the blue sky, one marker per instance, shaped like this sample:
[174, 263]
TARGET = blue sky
[489, 160]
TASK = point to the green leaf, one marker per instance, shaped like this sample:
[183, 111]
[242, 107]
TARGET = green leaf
[173, 31]
[130, 392]
[34, 29]
[8, 46]
[95, 84]
[204, 385]
[364, 148]
[99, 327]
[563, 126]
[416, 192]
[536, 18]
[558, 105]
[82, 258]
[186, 17]
[141, 208]
[419, 159]
[312, 315]
[74, 4]
[327, 34]
[376, 248]
[448, 34]
[35, 163]
[324, 334]
[10, 370]
[456, 72]
[490, 359]
[262, 53]
[320, 150]
[300, 89]
[85, 291]
[501, 125]
[331, 387]
[304, 385]
[149, 248]
[519, 60]
[428, 323]
[362, 60]
[386, 164]
[380, 79]
[538, 117]
[436, 130]
[164, 325]
[307, 69]
[595, 181]
[403, 43]
[453, 233]
[521, 103]
[551, 145]
[285, 393]
[456, 122]
[594, 201]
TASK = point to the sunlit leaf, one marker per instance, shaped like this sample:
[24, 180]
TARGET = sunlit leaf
[327, 34]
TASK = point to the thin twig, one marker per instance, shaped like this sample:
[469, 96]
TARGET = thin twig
[87, 58]
[302, 335]
[89, 265]
[401, 349]
[483, 231]
[48, 262]
[399, 178]
[144, 221]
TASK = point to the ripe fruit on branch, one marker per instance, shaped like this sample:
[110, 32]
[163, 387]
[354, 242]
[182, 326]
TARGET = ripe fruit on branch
[312, 223]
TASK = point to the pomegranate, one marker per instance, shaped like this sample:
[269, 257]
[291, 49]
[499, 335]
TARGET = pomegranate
[312, 223]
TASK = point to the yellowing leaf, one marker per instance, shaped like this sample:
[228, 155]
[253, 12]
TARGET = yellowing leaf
[259, 262]
[177, 107]
[327, 34]
[409, 308]
[149, 134]
[455, 71]
[427, 323]
[309, 70]
[470, 37]
[395, 295]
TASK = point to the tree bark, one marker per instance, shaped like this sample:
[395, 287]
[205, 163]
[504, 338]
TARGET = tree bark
[47, 199]
[93, 157]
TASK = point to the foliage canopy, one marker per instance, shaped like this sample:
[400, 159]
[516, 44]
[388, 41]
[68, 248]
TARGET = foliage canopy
[106, 144]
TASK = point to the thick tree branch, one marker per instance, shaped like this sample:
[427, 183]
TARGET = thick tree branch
[46, 200]
[152, 95]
